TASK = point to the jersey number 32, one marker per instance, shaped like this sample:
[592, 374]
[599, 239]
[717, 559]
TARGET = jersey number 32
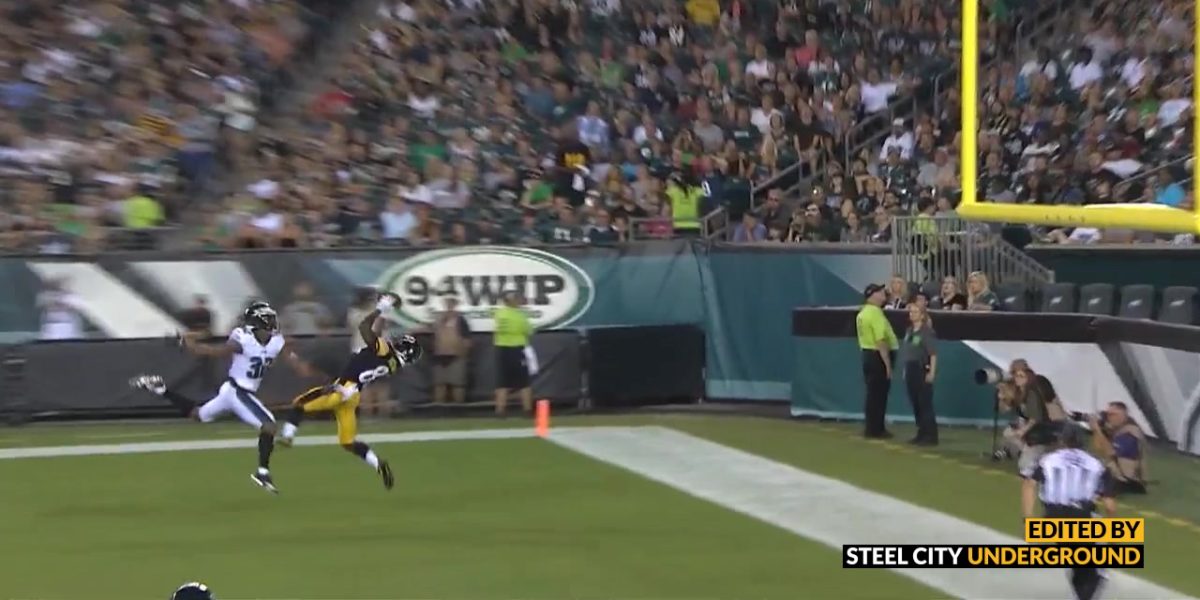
[258, 367]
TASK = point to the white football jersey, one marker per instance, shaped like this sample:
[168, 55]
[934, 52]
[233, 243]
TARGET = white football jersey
[250, 365]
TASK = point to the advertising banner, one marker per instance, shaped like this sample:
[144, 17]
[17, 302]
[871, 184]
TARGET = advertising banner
[741, 296]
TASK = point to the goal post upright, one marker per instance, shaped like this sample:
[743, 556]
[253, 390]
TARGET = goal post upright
[1144, 218]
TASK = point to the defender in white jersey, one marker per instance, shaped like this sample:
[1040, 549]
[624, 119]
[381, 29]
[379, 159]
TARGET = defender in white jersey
[253, 348]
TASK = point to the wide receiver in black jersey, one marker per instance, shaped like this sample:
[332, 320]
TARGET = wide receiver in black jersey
[379, 359]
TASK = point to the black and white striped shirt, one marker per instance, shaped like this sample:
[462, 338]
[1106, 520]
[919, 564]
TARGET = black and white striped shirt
[1070, 477]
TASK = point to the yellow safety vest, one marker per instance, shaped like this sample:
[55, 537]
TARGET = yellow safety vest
[685, 206]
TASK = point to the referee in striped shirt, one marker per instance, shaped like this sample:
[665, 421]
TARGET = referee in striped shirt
[1068, 481]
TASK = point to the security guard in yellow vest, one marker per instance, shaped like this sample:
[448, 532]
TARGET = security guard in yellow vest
[877, 343]
[685, 204]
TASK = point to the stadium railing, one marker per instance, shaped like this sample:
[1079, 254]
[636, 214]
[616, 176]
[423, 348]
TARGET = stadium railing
[114, 239]
[930, 248]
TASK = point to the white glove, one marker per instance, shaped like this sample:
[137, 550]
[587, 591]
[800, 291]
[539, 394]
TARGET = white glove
[385, 303]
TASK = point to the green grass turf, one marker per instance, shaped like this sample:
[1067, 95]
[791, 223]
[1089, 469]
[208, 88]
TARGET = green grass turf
[952, 478]
[469, 519]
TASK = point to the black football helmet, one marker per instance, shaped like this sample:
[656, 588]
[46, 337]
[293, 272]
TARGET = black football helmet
[407, 348]
[193, 591]
[260, 315]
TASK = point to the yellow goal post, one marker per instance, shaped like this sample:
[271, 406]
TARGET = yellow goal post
[1137, 216]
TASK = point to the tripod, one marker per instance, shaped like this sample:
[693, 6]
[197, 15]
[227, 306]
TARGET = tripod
[995, 455]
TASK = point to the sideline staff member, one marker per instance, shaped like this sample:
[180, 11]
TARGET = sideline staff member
[878, 343]
[920, 368]
[512, 335]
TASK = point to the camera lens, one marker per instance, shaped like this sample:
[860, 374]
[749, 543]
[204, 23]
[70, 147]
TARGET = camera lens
[988, 376]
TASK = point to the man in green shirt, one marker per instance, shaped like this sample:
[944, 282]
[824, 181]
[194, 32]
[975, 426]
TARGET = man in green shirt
[512, 334]
[878, 344]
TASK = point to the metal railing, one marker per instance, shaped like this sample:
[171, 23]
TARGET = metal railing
[772, 181]
[869, 131]
[714, 226]
[1143, 175]
[650, 228]
[930, 248]
[1047, 16]
[106, 239]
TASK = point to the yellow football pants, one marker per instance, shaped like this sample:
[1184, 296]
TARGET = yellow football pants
[323, 400]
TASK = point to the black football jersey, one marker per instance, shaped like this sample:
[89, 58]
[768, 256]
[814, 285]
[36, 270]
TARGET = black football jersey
[370, 364]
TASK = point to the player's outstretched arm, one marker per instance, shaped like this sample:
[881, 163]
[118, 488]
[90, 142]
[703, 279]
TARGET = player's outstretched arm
[229, 348]
[302, 367]
[366, 327]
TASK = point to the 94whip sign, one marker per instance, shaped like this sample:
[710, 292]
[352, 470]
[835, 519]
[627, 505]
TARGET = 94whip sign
[556, 291]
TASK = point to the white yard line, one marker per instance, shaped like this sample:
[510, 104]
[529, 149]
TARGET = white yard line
[122, 436]
[249, 442]
[826, 510]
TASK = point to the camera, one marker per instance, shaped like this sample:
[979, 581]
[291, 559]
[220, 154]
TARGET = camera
[990, 376]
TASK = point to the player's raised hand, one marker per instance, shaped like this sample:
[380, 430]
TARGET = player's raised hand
[387, 301]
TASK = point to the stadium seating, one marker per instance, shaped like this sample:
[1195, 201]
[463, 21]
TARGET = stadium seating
[1096, 299]
[931, 289]
[1059, 297]
[1045, 152]
[1013, 297]
[479, 119]
[1178, 305]
[1137, 302]
[116, 113]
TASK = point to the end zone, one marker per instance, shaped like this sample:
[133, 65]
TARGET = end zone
[1147, 218]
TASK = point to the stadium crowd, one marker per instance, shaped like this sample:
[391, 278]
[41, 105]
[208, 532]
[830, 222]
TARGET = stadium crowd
[543, 121]
[114, 112]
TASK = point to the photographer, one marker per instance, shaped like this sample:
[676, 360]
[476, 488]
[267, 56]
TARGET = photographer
[1039, 413]
[1121, 444]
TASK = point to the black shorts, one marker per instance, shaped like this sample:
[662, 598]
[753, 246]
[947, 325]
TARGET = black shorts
[513, 372]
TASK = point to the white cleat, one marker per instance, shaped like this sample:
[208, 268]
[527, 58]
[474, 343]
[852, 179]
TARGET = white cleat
[150, 383]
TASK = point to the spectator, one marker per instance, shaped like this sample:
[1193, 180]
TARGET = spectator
[304, 315]
[109, 95]
[980, 297]
[1168, 192]
[451, 347]
[397, 222]
[601, 231]
[897, 293]
[899, 139]
[949, 297]
[751, 230]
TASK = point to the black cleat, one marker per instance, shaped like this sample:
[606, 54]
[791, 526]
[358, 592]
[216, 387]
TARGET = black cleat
[263, 480]
[385, 472]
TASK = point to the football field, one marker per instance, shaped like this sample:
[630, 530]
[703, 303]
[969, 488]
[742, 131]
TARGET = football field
[664, 507]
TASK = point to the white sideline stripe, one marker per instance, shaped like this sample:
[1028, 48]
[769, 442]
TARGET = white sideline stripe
[322, 440]
[826, 510]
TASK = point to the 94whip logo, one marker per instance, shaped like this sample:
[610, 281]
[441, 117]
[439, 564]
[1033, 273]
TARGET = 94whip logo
[556, 291]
